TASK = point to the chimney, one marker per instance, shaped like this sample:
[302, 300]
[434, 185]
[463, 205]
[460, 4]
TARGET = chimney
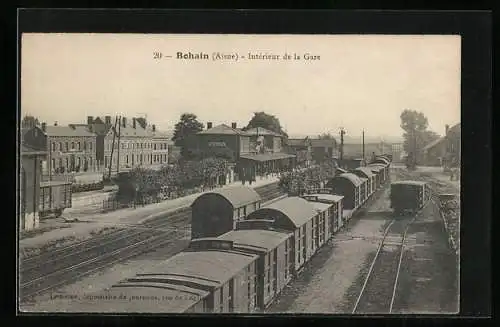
[90, 120]
[209, 125]
[107, 120]
[124, 121]
[233, 125]
[446, 128]
[153, 127]
[133, 122]
[44, 127]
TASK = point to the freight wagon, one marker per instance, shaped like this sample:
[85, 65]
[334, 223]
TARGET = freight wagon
[55, 196]
[409, 196]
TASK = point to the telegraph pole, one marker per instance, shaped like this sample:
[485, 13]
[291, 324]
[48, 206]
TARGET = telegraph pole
[118, 143]
[363, 145]
[342, 132]
[112, 147]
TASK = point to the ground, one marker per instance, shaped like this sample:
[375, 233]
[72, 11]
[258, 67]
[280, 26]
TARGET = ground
[428, 281]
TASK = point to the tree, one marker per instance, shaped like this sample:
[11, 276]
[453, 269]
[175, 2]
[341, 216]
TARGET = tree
[185, 130]
[326, 136]
[416, 136]
[270, 122]
[29, 121]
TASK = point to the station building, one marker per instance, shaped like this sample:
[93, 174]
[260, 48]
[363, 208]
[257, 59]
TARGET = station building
[254, 152]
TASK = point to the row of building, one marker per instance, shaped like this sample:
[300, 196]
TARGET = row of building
[444, 151]
[99, 144]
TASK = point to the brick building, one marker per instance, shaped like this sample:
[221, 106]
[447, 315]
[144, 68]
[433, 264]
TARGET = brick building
[126, 144]
[254, 152]
[69, 148]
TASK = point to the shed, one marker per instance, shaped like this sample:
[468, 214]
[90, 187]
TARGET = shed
[216, 212]
[289, 213]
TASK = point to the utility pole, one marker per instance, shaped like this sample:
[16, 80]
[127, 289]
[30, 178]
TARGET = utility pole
[363, 145]
[112, 148]
[118, 148]
[342, 132]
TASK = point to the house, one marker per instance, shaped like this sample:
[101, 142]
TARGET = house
[444, 151]
[302, 149]
[323, 149]
[69, 148]
[434, 153]
[254, 152]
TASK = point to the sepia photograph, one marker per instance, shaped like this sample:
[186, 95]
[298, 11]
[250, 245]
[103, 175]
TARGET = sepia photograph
[239, 173]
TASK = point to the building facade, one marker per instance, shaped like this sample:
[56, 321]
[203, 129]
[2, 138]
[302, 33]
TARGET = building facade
[30, 176]
[254, 152]
[323, 149]
[69, 148]
[302, 149]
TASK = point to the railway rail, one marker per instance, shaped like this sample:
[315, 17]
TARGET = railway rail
[380, 286]
[52, 269]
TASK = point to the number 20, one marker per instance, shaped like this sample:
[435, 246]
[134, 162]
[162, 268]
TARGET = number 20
[157, 55]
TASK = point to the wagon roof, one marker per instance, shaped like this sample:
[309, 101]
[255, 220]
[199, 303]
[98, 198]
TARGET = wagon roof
[418, 183]
[383, 159]
[320, 206]
[351, 178]
[265, 239]
[376, 167]
[299, 211]
[237, 195]
[205, 267]
[328, 197]
[365, 170]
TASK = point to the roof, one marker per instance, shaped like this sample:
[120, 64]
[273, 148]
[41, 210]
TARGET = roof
[267, 156]
[328, 197]
[27, 150]
[375, 167]
[297, 142]
[366, 171]
[323, 142]
[237, 195]
[261, 131]
[223, 129]
[351, 178]
[319, 206]
[54, 183]
[298, 210]
[265, 239]
[418, 183]
[209, 268]
[455, 128]
[379, 159]
[70, 130]
[433, 143]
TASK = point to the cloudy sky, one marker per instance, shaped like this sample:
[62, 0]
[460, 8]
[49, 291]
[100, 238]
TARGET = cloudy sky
[360, 82]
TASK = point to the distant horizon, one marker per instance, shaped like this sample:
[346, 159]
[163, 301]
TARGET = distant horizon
[361, 82]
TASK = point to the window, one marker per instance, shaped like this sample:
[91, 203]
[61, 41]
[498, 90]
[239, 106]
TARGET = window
[79, 146]
[72, 145]
[90, 146]
[53, 146]
[154, 146]
[84, 146]
[221, 298]
[67, 163]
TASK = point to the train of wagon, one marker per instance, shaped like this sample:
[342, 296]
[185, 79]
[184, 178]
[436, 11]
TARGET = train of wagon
[242, 253]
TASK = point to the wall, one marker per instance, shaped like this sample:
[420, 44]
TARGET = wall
[207, 141]
[30, 167]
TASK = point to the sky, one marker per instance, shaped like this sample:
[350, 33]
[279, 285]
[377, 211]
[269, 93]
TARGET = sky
[359, 82]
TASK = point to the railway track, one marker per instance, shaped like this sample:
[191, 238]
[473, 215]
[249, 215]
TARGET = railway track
[381, 283]
[52, 269]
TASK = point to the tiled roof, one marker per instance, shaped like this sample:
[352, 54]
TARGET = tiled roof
[76, 130]
[223, 129]
[237, 195]
[298, 210]
[256, 238]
